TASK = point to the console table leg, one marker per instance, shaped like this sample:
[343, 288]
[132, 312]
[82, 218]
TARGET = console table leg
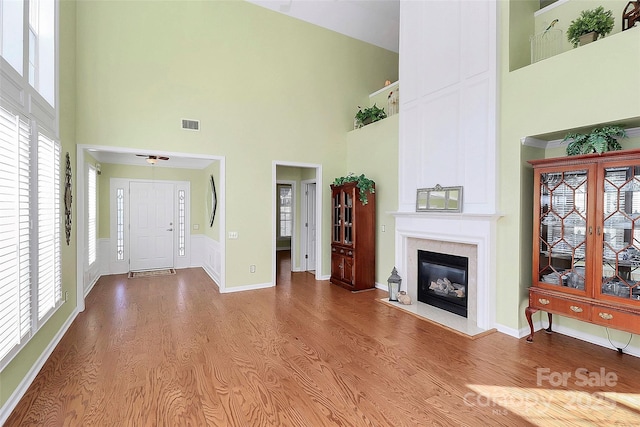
[548, 330]
[528, 312]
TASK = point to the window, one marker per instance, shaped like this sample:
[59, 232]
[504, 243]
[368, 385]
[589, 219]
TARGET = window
[92, 214]
[11, 34]
[38, 48]
[30, 231]
[120, 224]
[181, 223]
[285, 213]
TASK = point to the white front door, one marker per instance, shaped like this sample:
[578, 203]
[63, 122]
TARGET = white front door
[152, 225]
[311, 226]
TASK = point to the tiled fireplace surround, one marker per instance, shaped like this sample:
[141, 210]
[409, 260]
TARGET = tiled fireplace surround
[466, 235]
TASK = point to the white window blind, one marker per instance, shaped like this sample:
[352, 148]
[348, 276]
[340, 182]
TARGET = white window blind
[30, 231]
[92, 214]
[15, 293]
[49, 277]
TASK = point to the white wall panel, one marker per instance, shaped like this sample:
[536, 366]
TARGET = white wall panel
[441, 48]
[448, 103]
[476, 46]
[409, 144]
[474, 120]
[440, 147]
[411, 66]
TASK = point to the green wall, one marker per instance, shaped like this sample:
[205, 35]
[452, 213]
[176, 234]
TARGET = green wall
[264, 86]
[373, 150]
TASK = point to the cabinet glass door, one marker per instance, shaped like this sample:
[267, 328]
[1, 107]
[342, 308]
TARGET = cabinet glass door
[348, 218]
[337, 217]
[621, 232]
[563, 227]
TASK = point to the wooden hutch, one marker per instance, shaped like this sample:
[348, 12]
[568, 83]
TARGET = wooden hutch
[586, 239]
[353, 238]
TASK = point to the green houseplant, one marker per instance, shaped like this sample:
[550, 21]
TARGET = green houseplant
[364, 184]
[369, 115]
[600, 140]
[590, 21]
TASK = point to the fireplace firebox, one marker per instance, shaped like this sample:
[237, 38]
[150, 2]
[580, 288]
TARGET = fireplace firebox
[442, 281]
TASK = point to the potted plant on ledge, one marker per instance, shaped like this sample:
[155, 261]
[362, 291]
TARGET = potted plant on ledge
[589, 26]
[600, 140]
[368, 115]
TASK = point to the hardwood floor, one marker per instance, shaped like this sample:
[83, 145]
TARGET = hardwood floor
[173, 351]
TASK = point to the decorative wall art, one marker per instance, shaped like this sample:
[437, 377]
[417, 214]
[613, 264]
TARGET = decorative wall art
[67, 199]
[212, 201]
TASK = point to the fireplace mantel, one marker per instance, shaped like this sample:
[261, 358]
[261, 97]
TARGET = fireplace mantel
[448, 216]
[477, 230]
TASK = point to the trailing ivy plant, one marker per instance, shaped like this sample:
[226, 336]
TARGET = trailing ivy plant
[595, 20]
[600, 140]
[364, 184]
[369, 115]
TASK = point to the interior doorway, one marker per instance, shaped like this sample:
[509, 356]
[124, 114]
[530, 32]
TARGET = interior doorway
[302, 254]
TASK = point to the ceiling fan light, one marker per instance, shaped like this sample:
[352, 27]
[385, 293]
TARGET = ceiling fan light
[152, 161]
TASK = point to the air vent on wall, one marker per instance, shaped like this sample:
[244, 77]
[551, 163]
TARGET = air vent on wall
[190, 124]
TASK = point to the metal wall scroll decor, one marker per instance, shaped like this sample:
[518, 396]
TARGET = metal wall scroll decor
[67, 199]
[439, 199]
[213, 201]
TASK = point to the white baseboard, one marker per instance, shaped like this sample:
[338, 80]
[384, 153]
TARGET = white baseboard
[593, 339]
[91, 285]
[247, 288]
[517, 333]
[19, 392]
[570, 332]
[382, 287]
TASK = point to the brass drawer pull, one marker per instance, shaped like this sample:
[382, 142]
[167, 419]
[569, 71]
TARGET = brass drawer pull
[576, 309]
[606, 316]
[543, 301]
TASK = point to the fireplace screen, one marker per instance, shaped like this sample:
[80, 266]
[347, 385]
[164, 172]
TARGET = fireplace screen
[442, 281]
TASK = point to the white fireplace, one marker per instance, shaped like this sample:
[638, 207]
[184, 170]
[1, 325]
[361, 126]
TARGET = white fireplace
[466, 235]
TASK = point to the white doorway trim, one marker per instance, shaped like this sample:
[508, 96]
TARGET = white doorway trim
[80, 214]
[304, 215]
[274, 180]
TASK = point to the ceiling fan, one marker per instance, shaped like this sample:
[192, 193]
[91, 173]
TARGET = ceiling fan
[152, 159]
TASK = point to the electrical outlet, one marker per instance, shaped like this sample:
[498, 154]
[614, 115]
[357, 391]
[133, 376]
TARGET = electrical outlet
[384, 228]
[252, 268]
[196, 226]
[233, 234]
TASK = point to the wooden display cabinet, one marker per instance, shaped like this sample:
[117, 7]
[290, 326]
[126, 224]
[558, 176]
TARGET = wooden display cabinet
[586, 239]
[353, 238]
